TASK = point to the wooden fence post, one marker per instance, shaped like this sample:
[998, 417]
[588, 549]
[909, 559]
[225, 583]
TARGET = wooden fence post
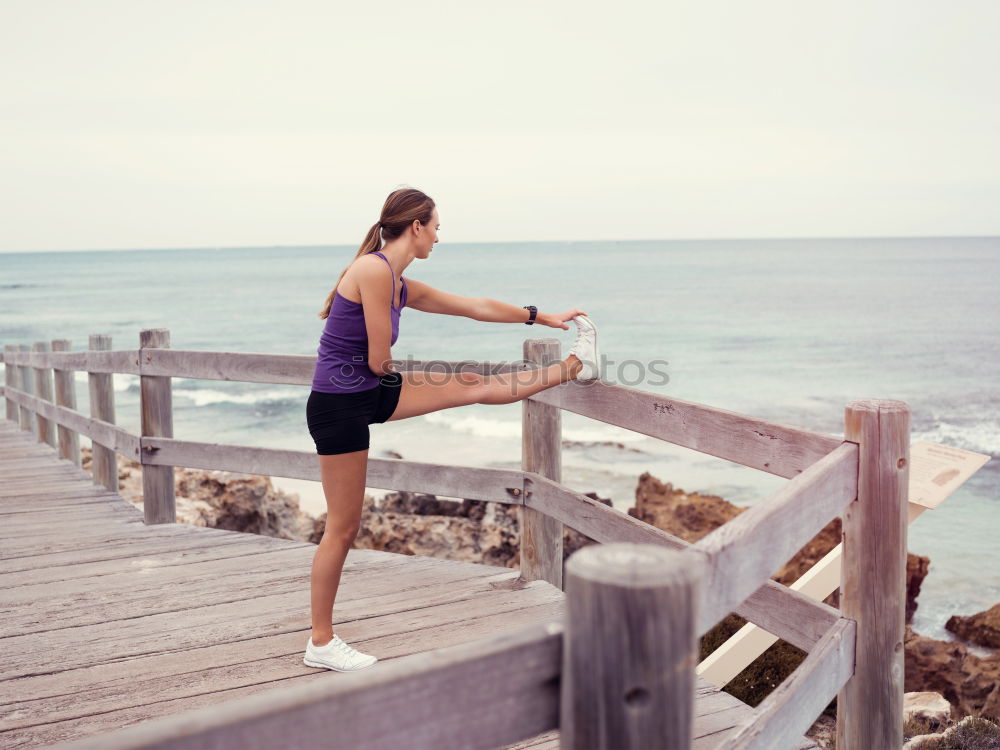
[69, 440]
[103, 460]
[156, 404]
[10, 377]
[26, 384]
[873, 575]
[629, 648]
[541, 451]
[43, 389]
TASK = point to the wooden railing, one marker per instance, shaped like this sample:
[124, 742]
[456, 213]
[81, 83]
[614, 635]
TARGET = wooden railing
[636, 604]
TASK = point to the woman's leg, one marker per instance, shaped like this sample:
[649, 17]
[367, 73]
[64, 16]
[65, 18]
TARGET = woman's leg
[425, 392]
[343, 478]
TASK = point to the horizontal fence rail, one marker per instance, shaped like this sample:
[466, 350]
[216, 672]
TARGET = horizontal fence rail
[757, 443]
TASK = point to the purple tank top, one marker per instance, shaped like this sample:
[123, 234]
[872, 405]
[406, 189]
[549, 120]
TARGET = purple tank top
[342, 356]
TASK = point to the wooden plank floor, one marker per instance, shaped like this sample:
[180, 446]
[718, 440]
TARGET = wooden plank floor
[106, 622]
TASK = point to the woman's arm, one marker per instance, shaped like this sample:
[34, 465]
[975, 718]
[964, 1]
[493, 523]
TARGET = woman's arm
[424, 297]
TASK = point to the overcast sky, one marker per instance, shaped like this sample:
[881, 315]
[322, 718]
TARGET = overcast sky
[203, 123]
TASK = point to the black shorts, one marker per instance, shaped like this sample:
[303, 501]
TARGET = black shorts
[338, 422]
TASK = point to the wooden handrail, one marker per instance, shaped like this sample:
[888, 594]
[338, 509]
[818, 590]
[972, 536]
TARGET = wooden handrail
[758, 443]
[798, 619]
[749, 549]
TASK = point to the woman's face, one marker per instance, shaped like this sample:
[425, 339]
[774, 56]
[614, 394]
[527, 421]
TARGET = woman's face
[429, 234]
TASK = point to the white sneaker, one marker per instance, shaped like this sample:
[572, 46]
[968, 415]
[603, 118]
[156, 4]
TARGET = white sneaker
[336, 655]
[585, 348]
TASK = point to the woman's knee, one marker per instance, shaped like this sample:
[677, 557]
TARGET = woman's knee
[341, 533]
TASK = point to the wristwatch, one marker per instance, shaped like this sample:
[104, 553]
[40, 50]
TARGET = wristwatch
[534, 312]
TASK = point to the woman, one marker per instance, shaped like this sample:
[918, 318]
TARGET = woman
[354, 386]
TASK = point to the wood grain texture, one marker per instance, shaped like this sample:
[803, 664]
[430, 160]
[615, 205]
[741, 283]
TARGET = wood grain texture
[104, 461]
[791, 708]
[69, 439]
[873, 574]
[541, 452]
[470, 482]
[630, 648]
[792, 616]
[747, 550]
[105, 361]
[157, 417]
[758, 443]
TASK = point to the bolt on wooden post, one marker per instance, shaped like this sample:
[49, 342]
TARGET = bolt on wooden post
[629, 648]
[541, 452]
[43, 389]
[156, 403]
[103, 459]
[69, 440]
[873, 575]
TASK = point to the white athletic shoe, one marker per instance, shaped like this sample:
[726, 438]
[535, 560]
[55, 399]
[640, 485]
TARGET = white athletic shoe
[585, 348]
[336, 655]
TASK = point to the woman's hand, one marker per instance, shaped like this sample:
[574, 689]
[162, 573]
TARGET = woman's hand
[557, 320]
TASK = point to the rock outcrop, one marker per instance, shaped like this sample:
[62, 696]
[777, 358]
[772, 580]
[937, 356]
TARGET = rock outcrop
[927, 707]
[471, 530]
[691, 516]
[982, 628]
[969, 682]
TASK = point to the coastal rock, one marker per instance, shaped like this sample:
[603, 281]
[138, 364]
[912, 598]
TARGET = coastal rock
[972, 732]
[222, 500]
[415, 523]
[982, 628]
[692, 516]
[928, 707]
[969, 682]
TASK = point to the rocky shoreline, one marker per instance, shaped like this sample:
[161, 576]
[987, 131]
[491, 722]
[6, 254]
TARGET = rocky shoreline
[483, 532]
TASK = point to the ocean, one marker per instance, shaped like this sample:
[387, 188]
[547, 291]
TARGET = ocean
[789, 330]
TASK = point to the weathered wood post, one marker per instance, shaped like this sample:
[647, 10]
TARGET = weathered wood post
[541, 452]
[156, 404]
[69, 440]
[103, 460]
[10, 378]
[629, 648]
[26, 383]
[873, 575]
[43, 389]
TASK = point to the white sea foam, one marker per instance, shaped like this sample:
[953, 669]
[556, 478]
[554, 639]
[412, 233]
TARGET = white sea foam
[205, 396]
[121, 381]
[983, 437]
[499, 428]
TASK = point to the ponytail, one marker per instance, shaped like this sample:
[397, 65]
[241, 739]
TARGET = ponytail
[373, 242]
[401, 209]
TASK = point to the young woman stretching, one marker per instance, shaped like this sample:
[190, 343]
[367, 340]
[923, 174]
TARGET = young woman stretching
[354, 386]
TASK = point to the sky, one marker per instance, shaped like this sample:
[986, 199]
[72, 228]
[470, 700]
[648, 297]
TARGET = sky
[212, 123]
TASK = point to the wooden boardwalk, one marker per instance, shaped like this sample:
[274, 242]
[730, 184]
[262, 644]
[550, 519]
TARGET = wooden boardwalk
[106, 622]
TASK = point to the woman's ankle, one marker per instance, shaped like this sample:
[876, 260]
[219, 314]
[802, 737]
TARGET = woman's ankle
[321, 639]
[574, 365]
